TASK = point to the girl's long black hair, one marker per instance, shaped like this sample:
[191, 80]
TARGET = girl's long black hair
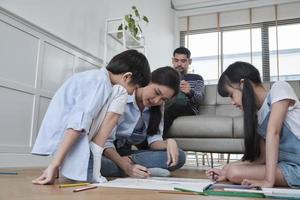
[233, 74]
[169, 77]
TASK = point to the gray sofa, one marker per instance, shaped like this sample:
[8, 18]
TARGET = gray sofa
[218, 128]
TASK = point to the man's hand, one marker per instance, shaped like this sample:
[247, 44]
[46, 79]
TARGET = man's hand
[185, 87]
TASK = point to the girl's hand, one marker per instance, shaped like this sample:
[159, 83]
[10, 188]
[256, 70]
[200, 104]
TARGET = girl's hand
[135, 170]
[259, 183]
[172, 152]
[216, 174]
[48, 176]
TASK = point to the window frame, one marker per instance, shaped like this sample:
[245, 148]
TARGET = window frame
[264, 26]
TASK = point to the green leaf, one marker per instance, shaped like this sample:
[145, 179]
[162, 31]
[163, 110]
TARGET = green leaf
[120, 27]
[131, 24]
[139, 28]
[127, 18]
[137, 14]
[135, 31]
[145, 19]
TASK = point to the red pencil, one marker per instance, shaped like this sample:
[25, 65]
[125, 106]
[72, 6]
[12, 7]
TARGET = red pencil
[84, 188]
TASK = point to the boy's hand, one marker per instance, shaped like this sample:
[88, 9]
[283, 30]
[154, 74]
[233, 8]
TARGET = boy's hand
[48, 176]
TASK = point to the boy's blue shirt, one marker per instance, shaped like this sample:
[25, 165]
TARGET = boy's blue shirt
[75, 106]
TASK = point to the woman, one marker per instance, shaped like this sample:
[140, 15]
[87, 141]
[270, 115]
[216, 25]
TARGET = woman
[143, 119]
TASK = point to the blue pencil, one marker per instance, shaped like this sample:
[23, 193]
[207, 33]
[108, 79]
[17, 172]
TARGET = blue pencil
[9, 173]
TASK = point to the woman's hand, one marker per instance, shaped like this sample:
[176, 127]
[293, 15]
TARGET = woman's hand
[216, 174]
[259, 183]
[172, 152]
[135, 170]
[48, 176]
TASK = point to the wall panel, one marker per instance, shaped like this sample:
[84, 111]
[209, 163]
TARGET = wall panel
[56, 68]
[33, 65]
[16, 62]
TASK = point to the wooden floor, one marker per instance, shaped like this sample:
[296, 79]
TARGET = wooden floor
[19, 187]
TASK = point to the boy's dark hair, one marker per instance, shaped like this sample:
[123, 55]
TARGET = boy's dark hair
[233, 74]
[169, 77]
[134, 62]
[182, 50]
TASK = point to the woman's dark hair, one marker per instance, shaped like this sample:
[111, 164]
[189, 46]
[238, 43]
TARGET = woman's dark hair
[232, 75]
[169, 77]
[134, 62]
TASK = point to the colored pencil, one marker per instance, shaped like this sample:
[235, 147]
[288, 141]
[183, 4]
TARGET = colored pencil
[9, 173]
[84, 188]
[73, 185]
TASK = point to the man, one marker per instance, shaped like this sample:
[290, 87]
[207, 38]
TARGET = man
[191, 92]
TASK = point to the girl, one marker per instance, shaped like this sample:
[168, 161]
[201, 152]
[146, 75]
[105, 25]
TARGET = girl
[143, 119]
[83, 113]
[271, 129]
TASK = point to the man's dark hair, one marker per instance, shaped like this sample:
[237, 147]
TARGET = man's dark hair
[182, 50]
[134, 62]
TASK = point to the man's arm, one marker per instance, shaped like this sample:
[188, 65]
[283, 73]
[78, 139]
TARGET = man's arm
[197, 89]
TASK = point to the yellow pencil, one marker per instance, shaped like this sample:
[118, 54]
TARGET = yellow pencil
[73, 185]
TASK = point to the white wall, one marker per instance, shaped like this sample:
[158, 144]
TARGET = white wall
[76, 21]
[82, 22]
[159, 33]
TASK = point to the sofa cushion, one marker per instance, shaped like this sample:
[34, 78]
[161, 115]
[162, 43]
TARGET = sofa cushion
[210, 95]
[228, 110]
[202, 126]
[238, 127]
[224, 145]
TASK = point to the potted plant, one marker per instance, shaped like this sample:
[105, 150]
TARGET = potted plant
[132, 25]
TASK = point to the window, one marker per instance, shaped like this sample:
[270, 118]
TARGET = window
[212, 50]
[286, 67]
[204, 48]
[238, 46]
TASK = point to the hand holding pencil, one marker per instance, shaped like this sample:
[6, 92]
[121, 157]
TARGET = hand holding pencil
[135, 170]
[216, 175]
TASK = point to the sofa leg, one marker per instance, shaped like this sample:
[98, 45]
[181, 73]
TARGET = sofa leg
[211, 160]
[228, 158]
[197, 159]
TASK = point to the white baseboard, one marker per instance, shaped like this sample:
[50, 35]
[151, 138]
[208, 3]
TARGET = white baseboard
[8, 160]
